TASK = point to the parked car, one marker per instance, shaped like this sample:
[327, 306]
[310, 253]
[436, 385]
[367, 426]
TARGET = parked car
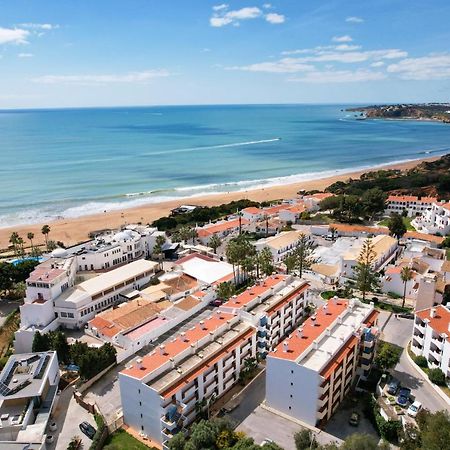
[403, 396]
[216, 302]
[406, 315]
[87, 429]
[414, 409]
[267, 441]
[393, 386]
[354, 419]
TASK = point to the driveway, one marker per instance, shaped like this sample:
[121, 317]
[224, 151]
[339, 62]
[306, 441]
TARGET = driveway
[262, 424]
[68, 415]
[398, 332]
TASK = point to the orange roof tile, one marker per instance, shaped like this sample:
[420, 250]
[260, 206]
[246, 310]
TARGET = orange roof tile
[252, 210]
[439, 322]
[249, 294]
[446, 206]
[208, 230]
[424, 237]
[411, 198]
[158, 358]
[312, 329]
[207, 364]
[275, 209]
[359, 228]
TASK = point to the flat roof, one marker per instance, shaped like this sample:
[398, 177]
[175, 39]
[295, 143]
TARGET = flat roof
[241, 300]
[204, 269]
[171, 349]
[317, 341]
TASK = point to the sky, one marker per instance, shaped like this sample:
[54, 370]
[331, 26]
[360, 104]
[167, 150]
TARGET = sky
[76, 53]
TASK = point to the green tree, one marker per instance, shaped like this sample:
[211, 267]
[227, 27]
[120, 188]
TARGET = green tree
[406, 275]
[434, 430]
[30, 237]
[41, 342]
[373, 202]
[290, 262]
[60, 345]
[6, 278]
[266, 263]
[215, 242]
[304, 254]
[366, 277]
[305, 440]
[359, 441]
[13, 240]
[203, 435]
[45, 230]
[225, 290]
[397, 226]
[157, 249]
[436, 376]
[177, 442]
[387, 356]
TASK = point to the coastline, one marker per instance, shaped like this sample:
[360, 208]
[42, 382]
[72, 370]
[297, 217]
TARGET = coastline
[74, 230]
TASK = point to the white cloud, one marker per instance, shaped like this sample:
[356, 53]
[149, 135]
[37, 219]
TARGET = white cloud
[431, 67]
[131, 77]
[275, 18]
[39, 26]
[345, 38]
[339, 76]
[377, 64]
[220, 7]
[267, 6]
[222, 16]
[285, 65]
[25, 55]
[13, 36]
[346, 47]
[354, 19]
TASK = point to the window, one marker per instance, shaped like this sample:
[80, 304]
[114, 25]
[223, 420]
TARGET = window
[291, 395]
[292, 372]
[292, 384]
[63, 314]
[290, 408]
[70, 315]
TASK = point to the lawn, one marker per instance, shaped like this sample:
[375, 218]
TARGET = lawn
[122, 440]
[406, 221]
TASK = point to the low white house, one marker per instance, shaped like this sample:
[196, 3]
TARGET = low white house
[414, 206]
[280, 245]
[436, 220]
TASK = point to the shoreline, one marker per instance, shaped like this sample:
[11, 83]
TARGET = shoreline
[73, 230]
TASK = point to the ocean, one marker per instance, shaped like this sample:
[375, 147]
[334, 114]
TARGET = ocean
[72, 162]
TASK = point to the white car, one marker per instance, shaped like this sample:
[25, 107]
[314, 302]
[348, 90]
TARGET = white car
[414, 409]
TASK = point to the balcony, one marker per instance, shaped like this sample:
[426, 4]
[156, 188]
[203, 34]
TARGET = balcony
[169, 434]
[170, 423]
[419, 327]
[437, 355]
[418, 338]
[438, 342]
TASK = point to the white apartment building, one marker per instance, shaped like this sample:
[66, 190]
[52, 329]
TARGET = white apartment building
[430, 337]
[414, 206]
[436, 220]
[159, 392]
[28, 388]
[309, 373]
[274, 306]
[56, 297]
[385, 248]
[280, 245]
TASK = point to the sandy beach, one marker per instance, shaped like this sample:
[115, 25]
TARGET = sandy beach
[74, 230]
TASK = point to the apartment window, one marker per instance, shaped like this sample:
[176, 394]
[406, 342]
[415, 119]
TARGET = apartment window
[140, 403]
[139, 391]
[292, 372]
[70, 315]
[63, 314]
[142, 427]
[292, 384]
[141, 415]
[290, 408]
[290, 396]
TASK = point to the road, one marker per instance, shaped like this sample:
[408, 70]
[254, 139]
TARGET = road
[68, 415]
[398, 332]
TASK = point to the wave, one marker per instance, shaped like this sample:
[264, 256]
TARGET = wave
[209, 147]
[130, 200]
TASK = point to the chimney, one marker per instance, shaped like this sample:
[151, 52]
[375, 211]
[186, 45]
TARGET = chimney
[315, 345]
[202, 325]
[162, 349]
[139, 364]
[183, 337]
[300, 332]
[285, 346]
[433, 313]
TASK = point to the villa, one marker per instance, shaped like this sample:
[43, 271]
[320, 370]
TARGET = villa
[435, 220]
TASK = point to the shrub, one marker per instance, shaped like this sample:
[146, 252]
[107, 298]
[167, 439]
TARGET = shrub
[436, 376]
[421, 361]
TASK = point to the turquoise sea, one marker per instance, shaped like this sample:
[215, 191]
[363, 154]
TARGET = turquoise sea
[65, 163]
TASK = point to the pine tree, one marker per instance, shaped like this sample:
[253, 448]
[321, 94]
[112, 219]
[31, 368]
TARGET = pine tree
[304, 254]
[366, 277]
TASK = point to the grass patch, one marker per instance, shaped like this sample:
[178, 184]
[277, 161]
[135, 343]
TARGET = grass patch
[326, 295]
[7, 331]
[122, 440]
[406, 221]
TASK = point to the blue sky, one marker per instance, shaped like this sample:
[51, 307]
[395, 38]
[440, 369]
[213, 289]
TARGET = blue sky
[61, 53]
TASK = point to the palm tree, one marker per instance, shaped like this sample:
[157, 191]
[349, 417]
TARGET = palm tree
[406, 275]
[20, 243]
[30, 236]
[13, 240]
[45, 231]
[215, 242]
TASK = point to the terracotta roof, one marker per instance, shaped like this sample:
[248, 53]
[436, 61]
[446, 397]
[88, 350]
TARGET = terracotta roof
[187, 303]
[446, 206]
[249, 294]
[45, 274]
[192, 256]
[423, 237]
[208, 230]
[312, 329]
[359, 228]
[446, 266]
[439, 322]
[275, 209]
[178, 284]
[252, 210]
[186, 379]
[160, 356]
[320, 195]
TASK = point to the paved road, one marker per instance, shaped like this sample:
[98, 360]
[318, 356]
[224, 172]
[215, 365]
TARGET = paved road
[68, 415]
[398, 331]
[6, 307]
